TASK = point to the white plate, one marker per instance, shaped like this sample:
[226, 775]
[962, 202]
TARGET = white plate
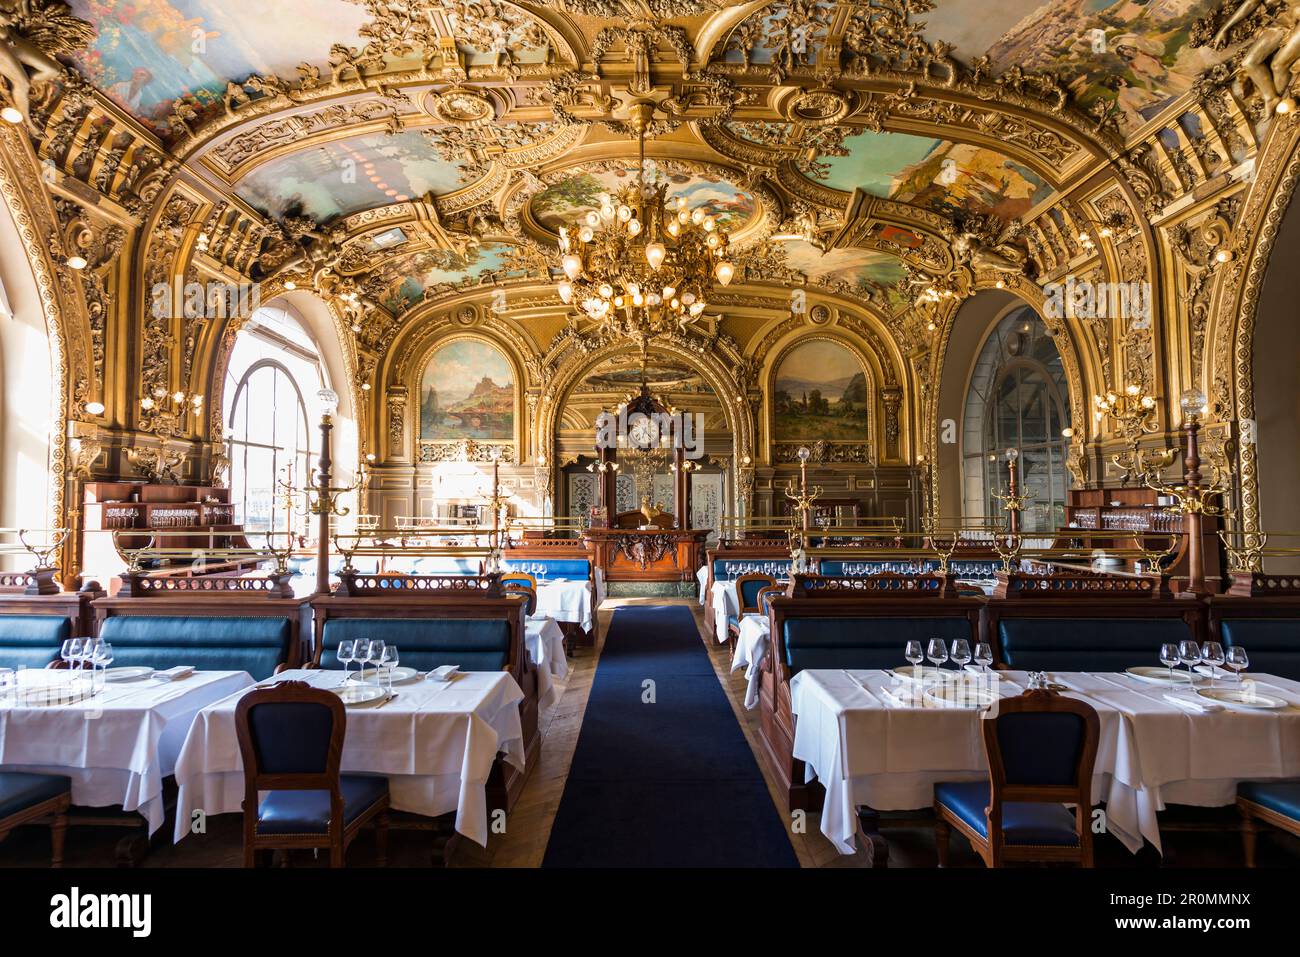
[926, 674]
[51, 695]
[400, 675]
[359, 693]
[133, 673]
[1242, 699]
[962, 694]
[1157, 675]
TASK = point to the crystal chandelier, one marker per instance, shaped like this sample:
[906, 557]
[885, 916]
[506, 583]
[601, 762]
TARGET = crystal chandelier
[642, 265]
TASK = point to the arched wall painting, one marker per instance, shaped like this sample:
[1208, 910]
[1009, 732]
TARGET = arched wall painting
[467, 391]
[820, 394]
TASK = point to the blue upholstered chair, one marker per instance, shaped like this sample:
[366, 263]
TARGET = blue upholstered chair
[36, 799]
[1040, 748]
[765, 595]
[523, 583]
[291, 741]
[747, 589]
[1273, 802]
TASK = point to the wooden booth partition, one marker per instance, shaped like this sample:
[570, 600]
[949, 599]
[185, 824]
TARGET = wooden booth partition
[901, 602]
[21, 594]
[754, 549]
[446, 597]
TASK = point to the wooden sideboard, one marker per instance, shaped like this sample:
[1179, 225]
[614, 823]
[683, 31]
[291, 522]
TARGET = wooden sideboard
[654, 554]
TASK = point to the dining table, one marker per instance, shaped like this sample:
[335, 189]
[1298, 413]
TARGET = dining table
[115, 740]
[544, 640]
[434, 740]
[751, 649]
[874, 741]
[571, 599]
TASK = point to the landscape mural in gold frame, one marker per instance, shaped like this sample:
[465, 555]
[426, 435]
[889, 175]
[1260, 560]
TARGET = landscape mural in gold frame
[467, 392]
[820, 393]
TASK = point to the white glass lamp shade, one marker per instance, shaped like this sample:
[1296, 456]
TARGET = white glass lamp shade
[724, 272]
[1012, 454]
[655, 254]
[327, 400]
[566, 292]
[804, 453]
[1192, 401]
[572, 266]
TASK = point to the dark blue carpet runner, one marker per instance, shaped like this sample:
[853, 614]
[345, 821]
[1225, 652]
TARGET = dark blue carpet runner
[666, 784]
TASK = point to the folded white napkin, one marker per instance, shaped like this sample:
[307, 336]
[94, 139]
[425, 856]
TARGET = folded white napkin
[1197, 705]
[894, 701]
[175, 674]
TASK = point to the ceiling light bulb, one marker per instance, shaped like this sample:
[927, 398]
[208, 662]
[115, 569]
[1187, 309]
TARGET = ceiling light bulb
[593, 218]
[11, 115]
[1222, 255]
[673, 227]
[290, 285]
[1131, 390]
[697, 308]
[586, 235]
[670, 291]
[724, 271]
[606, 290]
[618, 302]
[624, 213]
[572, 266]
[713, 240]
[683, 216]
[94, 408]
[146, 403]
[638, 299]
[688, 297]
[697, 215]
[178, 396]
[566, 292]
[607, 212]
[76, 262]
[633, 226]
[654, 255]
[710, 224]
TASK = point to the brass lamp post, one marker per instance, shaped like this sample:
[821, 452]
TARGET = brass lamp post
[803, 501]
[1013, 503]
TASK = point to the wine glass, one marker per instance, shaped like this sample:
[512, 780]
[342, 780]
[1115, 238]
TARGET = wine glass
[1237, 660]
[388, 660]
[984, 655]
[1169, 658]
[937, 652]
[914, 655]
[101, 656]
[71, 651]
[1189, 653]
[961, 653]
[375, 655]
[1212, 655]
[346, 654]
[361, 656]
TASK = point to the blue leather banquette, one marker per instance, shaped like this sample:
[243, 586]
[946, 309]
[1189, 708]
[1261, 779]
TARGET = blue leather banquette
[31, 641]
[473, 644]
[1075, 635]
[1267, 627]
[857, 643]
[725, 569]
[258, 645]
[550, 569]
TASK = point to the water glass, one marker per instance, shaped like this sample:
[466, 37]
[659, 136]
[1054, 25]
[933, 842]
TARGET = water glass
[1169, 658]
[1189, 653]
[346, 654]
[984, 655]
[1237, 660]
[388, 659]
[101, 657]
[375, 654]
[71, 651]
[1212, 655]
[361, 656]
[961, 653]
[914, 655]
[937, 652]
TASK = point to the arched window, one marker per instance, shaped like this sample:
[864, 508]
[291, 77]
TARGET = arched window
[274, 369]
[1017, 399]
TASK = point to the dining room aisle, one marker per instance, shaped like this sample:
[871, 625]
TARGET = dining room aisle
[662, 775]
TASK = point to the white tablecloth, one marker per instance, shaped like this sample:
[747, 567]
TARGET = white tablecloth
[1150, 753]
[751, 647]
[545, 642]
[116, 746]
[723, 602]
[574, 601]
[435, 741]
[702, 576]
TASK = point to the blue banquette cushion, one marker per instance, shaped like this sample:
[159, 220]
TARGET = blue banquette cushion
[473, 644]
[1280, 796]
[572, 568]
[209, 643]
[863, 642]
[1082, 644]
[1272, 643]
[20, 790]
[725, 569]
[31, 641]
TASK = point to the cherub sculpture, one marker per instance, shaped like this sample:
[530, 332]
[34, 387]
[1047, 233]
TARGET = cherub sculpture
[1274, 51]
[32, 34]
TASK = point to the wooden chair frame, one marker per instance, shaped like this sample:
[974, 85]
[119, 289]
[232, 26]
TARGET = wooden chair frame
[733, 631]
[993, 850]
[338, 835]
[509, 582]
[1251, 813]
[53, 812]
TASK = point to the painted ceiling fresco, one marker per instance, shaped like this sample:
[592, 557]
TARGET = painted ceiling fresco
[349, 175]
[562, 203]
[935, 173]
[149, 53]
[406, 278]
[872, 273]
